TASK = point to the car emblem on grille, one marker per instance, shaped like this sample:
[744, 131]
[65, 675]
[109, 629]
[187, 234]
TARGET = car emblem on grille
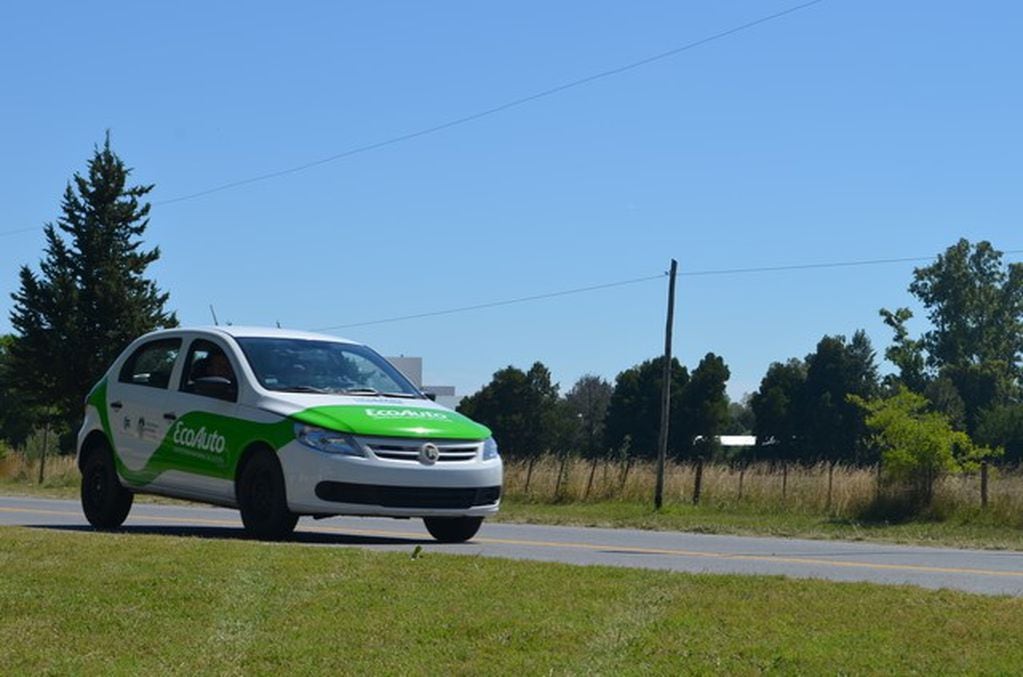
[429, 454]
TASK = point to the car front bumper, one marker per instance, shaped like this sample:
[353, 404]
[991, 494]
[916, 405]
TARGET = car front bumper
[318, 483]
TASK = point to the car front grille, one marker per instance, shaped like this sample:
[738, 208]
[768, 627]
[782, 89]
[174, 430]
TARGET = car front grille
[407, 497]
[397, 449]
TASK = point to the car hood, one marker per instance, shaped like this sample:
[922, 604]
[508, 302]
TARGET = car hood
[377, 416]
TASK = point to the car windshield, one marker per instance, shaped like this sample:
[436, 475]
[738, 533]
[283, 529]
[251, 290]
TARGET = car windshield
[310, 366]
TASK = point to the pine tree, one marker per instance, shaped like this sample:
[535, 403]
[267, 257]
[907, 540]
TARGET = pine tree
[90, 297]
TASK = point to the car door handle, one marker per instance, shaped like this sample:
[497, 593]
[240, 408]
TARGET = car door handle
[170, 416]
[116, 405]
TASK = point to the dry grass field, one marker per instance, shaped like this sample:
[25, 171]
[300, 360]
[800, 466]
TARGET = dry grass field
[853, 493]
[59, 472]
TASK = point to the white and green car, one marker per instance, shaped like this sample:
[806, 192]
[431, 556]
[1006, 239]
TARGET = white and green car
[280, 424]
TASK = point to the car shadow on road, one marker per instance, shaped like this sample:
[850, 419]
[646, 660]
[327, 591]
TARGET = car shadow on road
[238, 534]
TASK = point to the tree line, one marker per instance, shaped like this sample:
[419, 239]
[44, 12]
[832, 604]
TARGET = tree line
[594, 418]
[954, 400]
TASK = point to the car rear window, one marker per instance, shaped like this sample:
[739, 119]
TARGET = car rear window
[151, 364]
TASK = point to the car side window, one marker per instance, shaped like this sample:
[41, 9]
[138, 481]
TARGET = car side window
[151, 364]
[208, 372]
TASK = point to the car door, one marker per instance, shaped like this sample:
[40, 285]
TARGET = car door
[203, 411]
[135, 403]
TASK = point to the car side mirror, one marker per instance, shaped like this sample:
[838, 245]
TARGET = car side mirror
[431, 396]
[215, 386]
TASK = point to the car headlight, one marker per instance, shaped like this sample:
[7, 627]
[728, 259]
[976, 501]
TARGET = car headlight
[489, 449]
[327, 441]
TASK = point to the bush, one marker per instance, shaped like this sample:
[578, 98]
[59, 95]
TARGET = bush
[918, 446]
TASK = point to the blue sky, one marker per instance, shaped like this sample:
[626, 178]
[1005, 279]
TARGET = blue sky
[850, 130]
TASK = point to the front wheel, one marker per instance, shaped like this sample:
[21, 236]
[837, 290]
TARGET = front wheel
[104, 501]
[452, 529]
[262, 499]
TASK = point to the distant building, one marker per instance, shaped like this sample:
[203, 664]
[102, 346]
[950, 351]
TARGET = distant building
[738, 440]
[732, 441]
[412, 368]
[445, 395]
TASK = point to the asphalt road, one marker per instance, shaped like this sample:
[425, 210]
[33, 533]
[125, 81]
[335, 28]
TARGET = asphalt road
[981, 571]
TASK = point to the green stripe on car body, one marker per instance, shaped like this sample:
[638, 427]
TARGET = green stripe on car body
[211, 445]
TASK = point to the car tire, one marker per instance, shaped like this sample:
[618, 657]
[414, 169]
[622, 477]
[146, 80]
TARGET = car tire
[452, 529]
[262, 498]
[105, 501]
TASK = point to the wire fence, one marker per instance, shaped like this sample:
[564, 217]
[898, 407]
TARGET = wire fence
[837, 490]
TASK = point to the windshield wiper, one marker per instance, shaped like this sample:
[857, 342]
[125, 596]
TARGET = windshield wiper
[373, 392]
[302, 389]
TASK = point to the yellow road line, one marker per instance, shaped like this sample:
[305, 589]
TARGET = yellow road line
[623, 549]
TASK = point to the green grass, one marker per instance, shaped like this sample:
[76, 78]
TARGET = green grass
[960, 530]
[84, 603]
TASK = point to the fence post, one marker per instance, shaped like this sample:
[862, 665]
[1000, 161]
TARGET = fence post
[784, 479]
[983, 484]
[698, 482]
[589, 482]
[625, 476]
[42, 457]
[877, 487]
[742, 473]
[831, 481]
[561, 475]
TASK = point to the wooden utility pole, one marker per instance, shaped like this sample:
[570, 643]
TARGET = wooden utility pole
[662, 437]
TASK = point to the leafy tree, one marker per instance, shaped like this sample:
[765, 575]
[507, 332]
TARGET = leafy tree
[17, 419]
[741, 419]
[974, 304]
[91, 297]
[776, 409]
[1002, 426]
[705, 403]
[520, 408]
[833, 427]
[980, 386]
[905, 353]
[634, 411]
[565, 428]
[587, 404]
[802, 411]
[918, 445]
[945, 399]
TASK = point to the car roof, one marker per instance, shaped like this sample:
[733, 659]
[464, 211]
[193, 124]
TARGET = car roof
[261, 332]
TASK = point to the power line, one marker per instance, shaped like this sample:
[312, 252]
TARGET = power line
[812, 266]
[496, 109]
[515, 103]
[495, 304]
[19, 230]
[621, 283]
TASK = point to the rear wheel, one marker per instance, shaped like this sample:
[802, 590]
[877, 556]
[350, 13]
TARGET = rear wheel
[452, 529]
[262, 498]
[104, 501]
